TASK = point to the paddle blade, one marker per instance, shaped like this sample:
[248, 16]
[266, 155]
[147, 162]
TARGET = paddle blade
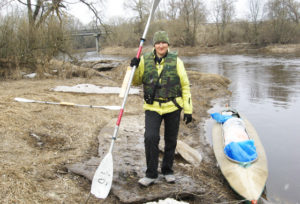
[154, 6]
[111, 107]
[24, 100]
[103, 177]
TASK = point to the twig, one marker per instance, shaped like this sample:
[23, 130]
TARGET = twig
[86, 201]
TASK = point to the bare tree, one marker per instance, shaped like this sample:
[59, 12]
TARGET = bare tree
[43, 32]
[223, 12]
[173, 9]
[192, 12]
[255, 10]
[38, 11]
[294, 10]
[141, 8]
[3, 3]
[92, 6]
[42, 10]
[284, 9]
[282, 20]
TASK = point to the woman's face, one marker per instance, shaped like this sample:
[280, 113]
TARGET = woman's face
[161, 48]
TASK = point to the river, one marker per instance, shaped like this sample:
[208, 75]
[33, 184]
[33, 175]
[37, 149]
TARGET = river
[266, 89]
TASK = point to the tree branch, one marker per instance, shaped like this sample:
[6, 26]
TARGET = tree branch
[37, 9]
[94, 10]
[22, 2]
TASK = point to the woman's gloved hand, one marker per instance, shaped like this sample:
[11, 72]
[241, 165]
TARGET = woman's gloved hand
[135, 62]
[187, 118]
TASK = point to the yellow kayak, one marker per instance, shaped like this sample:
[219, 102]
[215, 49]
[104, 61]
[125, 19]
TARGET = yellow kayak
[247, 180]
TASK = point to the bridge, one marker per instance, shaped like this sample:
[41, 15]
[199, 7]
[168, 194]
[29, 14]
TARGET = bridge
[91, 32]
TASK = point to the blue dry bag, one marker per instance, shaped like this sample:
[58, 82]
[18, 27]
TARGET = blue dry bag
[244, 151]
[220, 118]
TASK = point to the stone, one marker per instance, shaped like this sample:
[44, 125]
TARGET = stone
[188, 153]
[129, 165]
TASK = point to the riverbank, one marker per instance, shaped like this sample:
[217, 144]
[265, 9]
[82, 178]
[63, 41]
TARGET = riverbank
[39, 141]
[229, 49]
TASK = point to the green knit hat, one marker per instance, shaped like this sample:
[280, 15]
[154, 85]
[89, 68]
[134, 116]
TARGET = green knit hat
[160, 36]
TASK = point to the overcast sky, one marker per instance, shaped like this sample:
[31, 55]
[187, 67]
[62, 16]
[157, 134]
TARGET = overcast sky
[115, 8]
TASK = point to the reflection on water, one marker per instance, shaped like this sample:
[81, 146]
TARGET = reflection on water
[260, 77]
[267, 91]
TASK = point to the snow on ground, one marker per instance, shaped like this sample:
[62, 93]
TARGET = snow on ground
[31, 76]
[167, 201]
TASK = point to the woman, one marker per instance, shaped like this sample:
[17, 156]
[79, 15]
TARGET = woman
[166, 93]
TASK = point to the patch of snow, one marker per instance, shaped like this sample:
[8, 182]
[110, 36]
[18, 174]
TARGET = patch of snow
[31, 76]
[168, 201]
[90, 88]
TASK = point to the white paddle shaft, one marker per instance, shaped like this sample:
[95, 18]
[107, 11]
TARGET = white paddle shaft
[24, 100]
[102, 179]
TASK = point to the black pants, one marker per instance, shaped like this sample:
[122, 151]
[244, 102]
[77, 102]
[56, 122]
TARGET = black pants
[152, 122]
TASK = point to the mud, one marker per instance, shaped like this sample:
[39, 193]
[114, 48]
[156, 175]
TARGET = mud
[39, 141]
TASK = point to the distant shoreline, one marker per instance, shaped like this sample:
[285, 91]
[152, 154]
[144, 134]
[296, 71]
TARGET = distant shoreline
[231, 49]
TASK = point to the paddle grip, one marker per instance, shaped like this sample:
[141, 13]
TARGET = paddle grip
[140, 48]
[120, 116]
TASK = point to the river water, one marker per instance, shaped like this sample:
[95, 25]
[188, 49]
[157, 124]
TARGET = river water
[265, 89]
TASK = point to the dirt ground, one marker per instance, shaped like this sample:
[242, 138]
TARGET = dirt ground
[39, 140]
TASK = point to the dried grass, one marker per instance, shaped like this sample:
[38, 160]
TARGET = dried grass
[38, 140]
[29, 170]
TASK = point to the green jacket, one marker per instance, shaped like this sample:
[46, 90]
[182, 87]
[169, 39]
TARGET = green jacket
[169, 84]
[185, 100]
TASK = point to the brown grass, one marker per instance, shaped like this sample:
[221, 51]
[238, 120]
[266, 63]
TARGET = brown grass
[38, 140]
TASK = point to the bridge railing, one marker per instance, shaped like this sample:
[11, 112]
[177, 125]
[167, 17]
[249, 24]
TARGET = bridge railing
[94, 33]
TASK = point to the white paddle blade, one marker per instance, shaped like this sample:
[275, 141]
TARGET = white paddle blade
[24, 100]
[111, 107]
[153, 8]
[155, 4]
[103, 177]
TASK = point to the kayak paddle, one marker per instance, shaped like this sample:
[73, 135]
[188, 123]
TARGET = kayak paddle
[24, 100]
[103, 176]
